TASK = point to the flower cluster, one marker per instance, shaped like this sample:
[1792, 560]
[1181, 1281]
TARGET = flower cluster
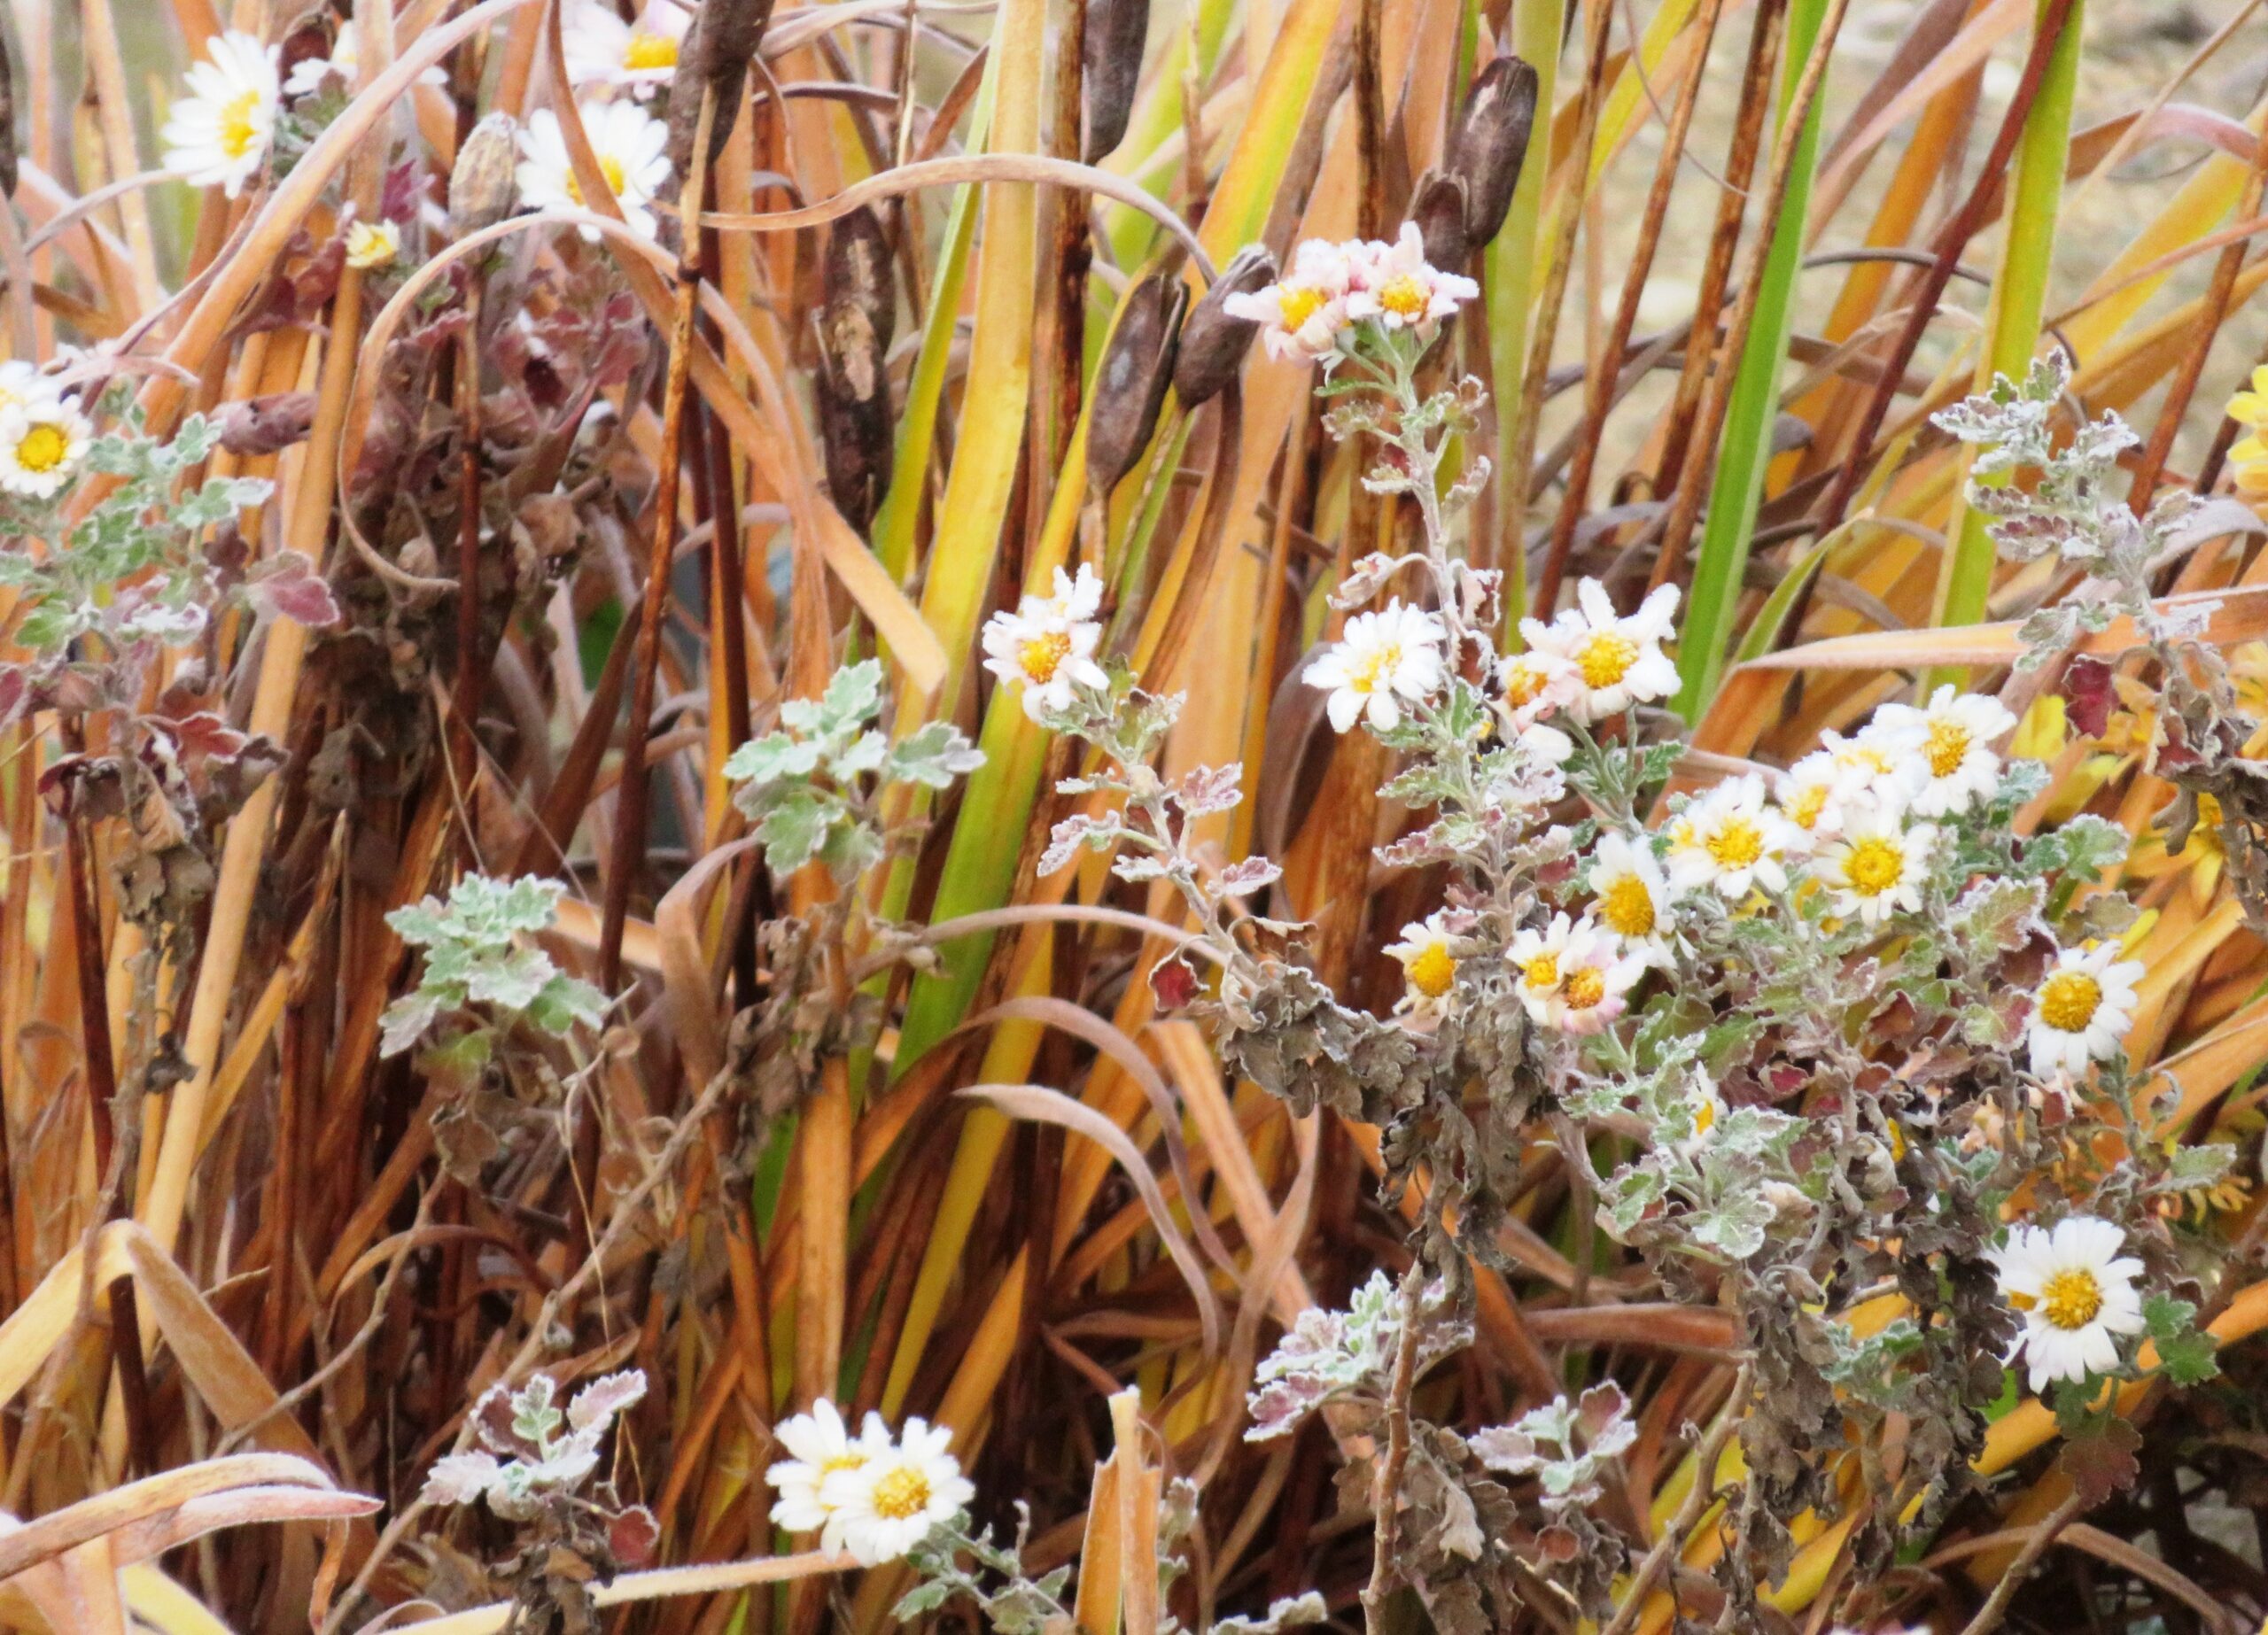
[1312, 313]
[868, 1493]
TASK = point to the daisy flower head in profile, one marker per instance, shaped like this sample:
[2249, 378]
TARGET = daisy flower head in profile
[602, 50]
[1428, 954]
[1632, 894]
[1949, 740]
[1046, 648]
[1877, 864]
[1571, 976]
[373, 244]
[1811, 797]
[1302, 314]
[345, 61]
[1535, 686]
[1381, 662]
[1620, 661]
[886, 1505]
[2076, 1293]
[1876, 768]
[42, 443]
[632, 147]
[2082, 1009]
[822, 1445]
[1397, 289]
[1730, 841]
[219, 134]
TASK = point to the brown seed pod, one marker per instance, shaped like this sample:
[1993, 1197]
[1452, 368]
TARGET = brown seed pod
[1213, 344]
[1438, 206]
[7, 120]
[716, 51]
[1491, 143]
[1116, 32]
[482, 191]
[1131, 384]
[852, 386]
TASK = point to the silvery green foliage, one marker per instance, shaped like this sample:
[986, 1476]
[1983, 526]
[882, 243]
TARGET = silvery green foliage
[1331, 1356]
[478, 965]
[547, 1451]
[809, 786]
[1016, 1605]
[1566, 1447]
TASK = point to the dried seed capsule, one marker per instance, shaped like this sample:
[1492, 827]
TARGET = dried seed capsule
[1438, 207]
[1213, 344]
[855, 326]
[7, 120]
[1116, 31]
[1491, 143]
[716, 51]
[1131, 385]
[482, 191]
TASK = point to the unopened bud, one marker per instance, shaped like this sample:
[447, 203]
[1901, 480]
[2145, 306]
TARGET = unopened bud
[1491, 144]
[482, 192]
[1131, 385]
[7, 120]
[1438, 206]
[716, 51]
[1213, 344]
[1116, 32]
[855, 325]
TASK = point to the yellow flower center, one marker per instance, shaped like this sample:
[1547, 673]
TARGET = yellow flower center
[1298, 304]
[1809, 804]
[2072, 1298]
[1542, 971]
[1862, 756]
[2067, 1000]
[1875, 865]
[650, 51]
[848, 1459]
[1523, 683]
[1042, 655]
[609, 167]
[238, 130]
[1734, 843]
[1376, 673]
[1405, 297]
[901, 1494]
[1431, 970]
[43, 448]
[1628, 907]
[1704, 1118]
[1606, 658]
[1586, 988]
[1948, 748]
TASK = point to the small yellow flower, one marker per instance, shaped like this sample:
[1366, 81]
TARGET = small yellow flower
[372, 244]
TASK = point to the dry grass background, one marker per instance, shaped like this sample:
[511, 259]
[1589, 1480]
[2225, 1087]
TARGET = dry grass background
[306, 1279]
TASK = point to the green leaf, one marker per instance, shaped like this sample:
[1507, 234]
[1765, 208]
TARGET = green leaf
[794, 829]
[773, 757]
[933, 755]
[2186, 1353]
[853, 697]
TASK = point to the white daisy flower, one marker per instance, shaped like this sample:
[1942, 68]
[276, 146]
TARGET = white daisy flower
[1704, 1107]
[1877, 864]
[884, 1507]
[345, 60]
[22, 386]
[1397, 289]
[1877, 768]
[1536, 685]
[1302, 314]
[1428, 957]
[220, 132]
[1571, 976]
[1810, 794]
[2077, 1294]
[1950, 741]
[373, 244]
[1046, 646]
[632, 149]
[40, 445]
[1632, 894]
[1730, 841]
[1620, 661]
[823, 1447]
[602, 50]
[2081, 1011]
[1381, 662]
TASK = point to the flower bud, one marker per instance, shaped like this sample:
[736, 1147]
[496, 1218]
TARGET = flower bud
[855, 325]
[1213, 344]
[1491, 143]
[1438, 206]
[7, 120]
[1131, 384]
[482, 192]
[1116, 32]
[716, 51]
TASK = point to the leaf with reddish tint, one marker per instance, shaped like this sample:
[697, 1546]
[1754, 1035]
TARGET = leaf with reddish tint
[290, 586]
[2087, 695]
[2101, 1462]
[632, 1535]
[1173, 983]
